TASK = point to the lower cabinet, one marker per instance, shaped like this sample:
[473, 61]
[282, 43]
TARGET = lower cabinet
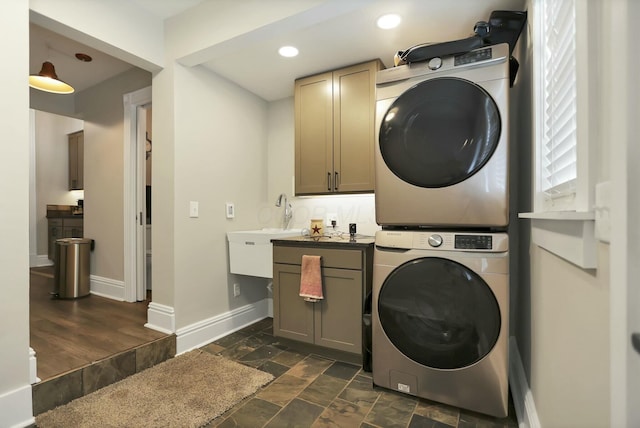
[63, 228]
[334, 322]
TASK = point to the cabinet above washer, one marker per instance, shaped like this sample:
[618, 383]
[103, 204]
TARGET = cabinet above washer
[334, 131]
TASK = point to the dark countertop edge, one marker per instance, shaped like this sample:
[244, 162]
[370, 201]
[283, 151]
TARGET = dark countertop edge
[308, 242]
[52, 216]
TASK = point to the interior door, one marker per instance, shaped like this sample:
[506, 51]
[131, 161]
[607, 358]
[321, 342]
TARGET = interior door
[439, 132]
[141, 229]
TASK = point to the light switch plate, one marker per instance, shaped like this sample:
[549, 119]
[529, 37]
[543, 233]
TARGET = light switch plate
[193, 209]
[230, 210]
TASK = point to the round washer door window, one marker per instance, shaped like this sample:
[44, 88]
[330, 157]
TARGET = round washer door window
[439, 313]
[439, 132]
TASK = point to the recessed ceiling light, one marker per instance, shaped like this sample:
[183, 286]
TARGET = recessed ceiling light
[288, 51]
[388, 21]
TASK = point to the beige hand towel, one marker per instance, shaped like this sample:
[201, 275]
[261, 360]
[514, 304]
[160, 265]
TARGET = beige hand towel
[310, 279]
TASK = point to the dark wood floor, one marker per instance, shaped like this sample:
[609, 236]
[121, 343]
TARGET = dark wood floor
[69, 334]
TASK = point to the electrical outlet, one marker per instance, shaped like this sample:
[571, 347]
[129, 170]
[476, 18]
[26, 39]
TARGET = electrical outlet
[236, 290]
[332, 217]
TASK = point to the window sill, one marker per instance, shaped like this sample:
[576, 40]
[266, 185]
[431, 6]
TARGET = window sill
[567, 234]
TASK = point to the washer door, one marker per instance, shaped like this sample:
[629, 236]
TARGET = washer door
[439, 132]
[439, 313]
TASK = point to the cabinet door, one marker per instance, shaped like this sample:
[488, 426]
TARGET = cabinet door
[338, 318]
[314, 135]
[55, 232]
[72, 228]
[354, 101]
[76, 161]
[292, 315]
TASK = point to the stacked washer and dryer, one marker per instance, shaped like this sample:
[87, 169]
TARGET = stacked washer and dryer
[440, 320]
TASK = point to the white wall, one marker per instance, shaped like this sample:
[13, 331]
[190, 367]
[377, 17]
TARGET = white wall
[103, 111]
[359, 209]
[563, 313]
[118, 27]
[218, 155]
[52, 169]
[15, 390]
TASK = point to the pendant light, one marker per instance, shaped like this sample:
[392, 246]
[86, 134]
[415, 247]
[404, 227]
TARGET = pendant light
[47, 80]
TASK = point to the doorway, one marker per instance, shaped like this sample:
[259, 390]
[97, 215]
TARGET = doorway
[137, 173]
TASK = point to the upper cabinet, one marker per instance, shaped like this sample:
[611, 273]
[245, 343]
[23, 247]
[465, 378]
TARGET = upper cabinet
[76, 161]
[334, 131]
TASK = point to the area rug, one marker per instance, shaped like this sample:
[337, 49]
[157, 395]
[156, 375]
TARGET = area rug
[189, 390]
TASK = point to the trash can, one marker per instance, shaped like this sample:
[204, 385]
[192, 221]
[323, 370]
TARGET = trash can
[71, 273]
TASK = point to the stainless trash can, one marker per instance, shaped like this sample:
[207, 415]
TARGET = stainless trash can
[71, 273]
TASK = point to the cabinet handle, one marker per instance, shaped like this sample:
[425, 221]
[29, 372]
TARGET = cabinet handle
[328, 181]
[336, 181]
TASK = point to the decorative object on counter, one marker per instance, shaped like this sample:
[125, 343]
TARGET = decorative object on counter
[352, 230]
[310, 279]
[317, 228]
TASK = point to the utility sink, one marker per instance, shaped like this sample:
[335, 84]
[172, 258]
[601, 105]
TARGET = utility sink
[251, 252]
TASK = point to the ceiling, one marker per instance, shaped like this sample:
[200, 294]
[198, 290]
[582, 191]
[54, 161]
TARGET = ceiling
[332, 34]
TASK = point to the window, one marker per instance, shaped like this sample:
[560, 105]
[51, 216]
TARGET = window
[558, 103]
[561, 86]
[565, 47]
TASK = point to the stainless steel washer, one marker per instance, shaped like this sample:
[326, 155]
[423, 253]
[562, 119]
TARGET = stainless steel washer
[441, 156]
[441, 315]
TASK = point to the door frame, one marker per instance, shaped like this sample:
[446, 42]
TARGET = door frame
[134, 206]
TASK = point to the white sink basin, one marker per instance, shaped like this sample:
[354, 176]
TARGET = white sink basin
[251, 252]
[262, 235]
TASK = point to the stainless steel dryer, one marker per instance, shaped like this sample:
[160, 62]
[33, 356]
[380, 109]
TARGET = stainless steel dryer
[440, 319]
[441, 156]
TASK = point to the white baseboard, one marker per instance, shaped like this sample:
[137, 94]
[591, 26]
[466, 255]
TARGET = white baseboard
[206, 331]
[520, 392]
[161, 318]
[38, 260]
[33, 367]
[270, 307]
[106, 287]
[16, 408]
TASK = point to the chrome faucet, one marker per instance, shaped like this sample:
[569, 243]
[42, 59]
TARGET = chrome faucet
[288, 211]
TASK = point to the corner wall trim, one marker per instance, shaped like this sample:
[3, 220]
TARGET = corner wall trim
[161, 318]
[206, 331]
[16, 408]
[522, 395]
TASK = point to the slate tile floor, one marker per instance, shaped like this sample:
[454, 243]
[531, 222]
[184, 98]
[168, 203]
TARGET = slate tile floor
[310, 390]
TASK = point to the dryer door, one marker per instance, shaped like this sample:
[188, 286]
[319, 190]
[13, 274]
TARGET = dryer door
[439, 313]
[439, 132]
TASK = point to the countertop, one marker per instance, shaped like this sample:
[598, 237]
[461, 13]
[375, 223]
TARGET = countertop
[338, 240]
[63, 211]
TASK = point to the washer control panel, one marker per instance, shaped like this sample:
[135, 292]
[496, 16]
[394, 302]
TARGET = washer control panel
[441, 240]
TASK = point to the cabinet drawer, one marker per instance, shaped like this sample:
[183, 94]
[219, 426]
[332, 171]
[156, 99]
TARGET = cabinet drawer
[55, 222]
[331, 257]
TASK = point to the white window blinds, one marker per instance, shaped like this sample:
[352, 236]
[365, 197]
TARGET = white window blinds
[558, 146]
